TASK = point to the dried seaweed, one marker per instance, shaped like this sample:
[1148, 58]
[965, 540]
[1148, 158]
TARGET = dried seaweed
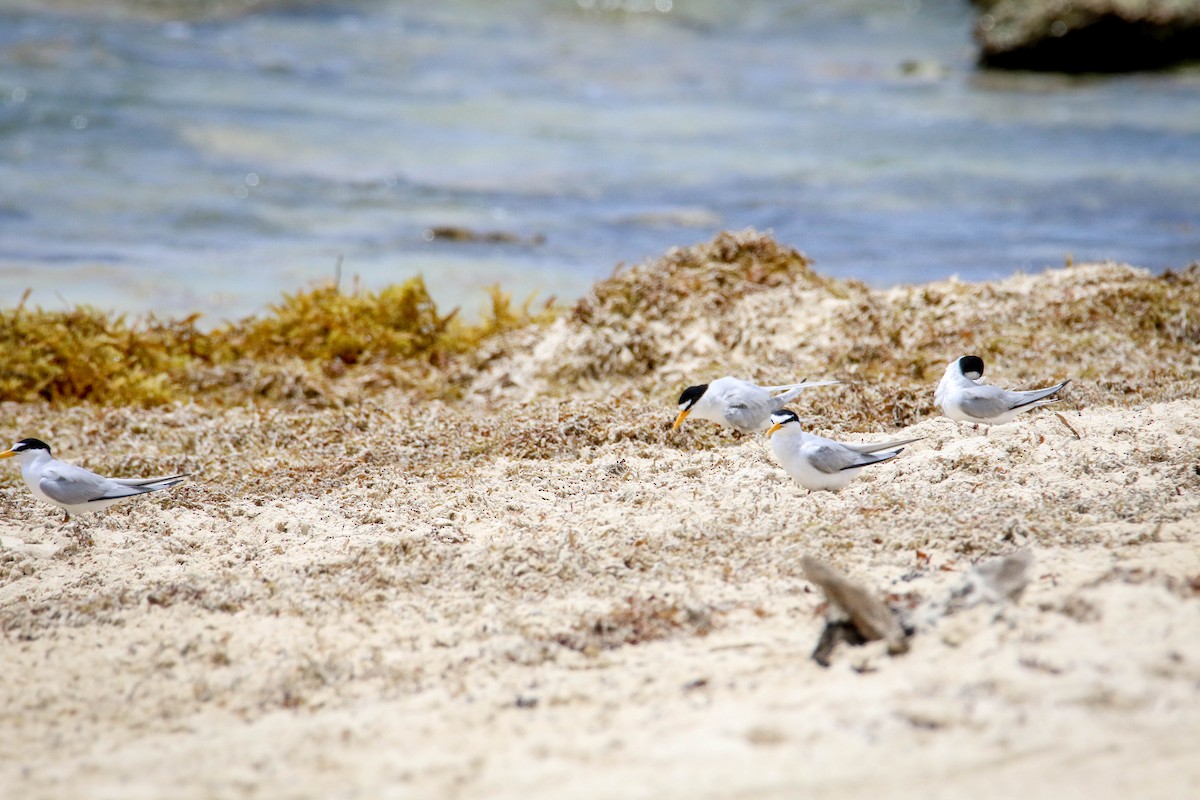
[298, 350]
[638, 620]
[89, 355]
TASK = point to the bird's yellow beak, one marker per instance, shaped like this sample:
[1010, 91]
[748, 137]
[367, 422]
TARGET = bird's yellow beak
[682, 416]
[772, 429]
[8, 454]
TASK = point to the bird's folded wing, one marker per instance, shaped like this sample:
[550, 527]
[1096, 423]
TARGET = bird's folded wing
[746, 415]
[73, 485]
[986, 402]
[831, 458]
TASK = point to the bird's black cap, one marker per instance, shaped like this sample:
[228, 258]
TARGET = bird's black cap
[971, 365]
[692, 395]
[783, 416]
[30, 444]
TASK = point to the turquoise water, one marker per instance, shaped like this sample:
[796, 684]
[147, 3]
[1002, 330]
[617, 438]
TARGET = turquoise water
[209, 164]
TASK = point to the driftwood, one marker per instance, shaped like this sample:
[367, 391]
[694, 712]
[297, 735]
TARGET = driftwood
[859, 615]
[863, 618]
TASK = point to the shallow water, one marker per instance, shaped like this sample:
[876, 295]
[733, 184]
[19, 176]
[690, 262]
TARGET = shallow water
[208, 165]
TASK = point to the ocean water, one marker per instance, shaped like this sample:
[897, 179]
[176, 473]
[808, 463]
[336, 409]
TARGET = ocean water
[179, 161]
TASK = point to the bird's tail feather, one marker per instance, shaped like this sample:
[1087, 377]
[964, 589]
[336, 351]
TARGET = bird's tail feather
[792, 390]
[875, 447]
[152, 484]
[1041, 396]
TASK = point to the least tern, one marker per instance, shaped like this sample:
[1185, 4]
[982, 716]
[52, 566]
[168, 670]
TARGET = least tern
[818, 463]
[962, 398]
[74, 489]
[737, 403]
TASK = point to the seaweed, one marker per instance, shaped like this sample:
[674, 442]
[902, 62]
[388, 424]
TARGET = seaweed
[84, 354]
[394, 336]
[638, 620]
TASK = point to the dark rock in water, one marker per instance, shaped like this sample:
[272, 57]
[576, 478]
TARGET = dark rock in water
[1087, 35]
[457, 233]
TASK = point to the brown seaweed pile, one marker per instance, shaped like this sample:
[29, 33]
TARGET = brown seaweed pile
[746, 305]
[297, 351]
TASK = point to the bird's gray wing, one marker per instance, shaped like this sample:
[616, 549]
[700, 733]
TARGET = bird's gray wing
[71, 485]
[832, 457]
[748, 415]
[986, 402]
[746, 406]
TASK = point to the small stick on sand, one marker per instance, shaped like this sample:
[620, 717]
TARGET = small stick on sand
[1063, 420]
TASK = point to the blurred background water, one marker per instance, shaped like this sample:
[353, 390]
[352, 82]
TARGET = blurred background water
[207, 156]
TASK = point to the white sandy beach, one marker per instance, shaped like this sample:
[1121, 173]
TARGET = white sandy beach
[541, 591]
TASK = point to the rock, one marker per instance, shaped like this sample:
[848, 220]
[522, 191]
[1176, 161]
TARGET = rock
[997, 580]
[458, 233]
[1087, 35]
[993, 582]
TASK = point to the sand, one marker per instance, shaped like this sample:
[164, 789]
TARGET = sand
[541, 591]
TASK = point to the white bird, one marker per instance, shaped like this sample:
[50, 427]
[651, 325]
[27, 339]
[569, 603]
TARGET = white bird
[737, 403]
[818, 463]
[74, 489]
[962, 398]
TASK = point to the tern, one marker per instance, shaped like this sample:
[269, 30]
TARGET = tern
[74, 489]
[737, 403]
[962, 398]
[817, 463]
